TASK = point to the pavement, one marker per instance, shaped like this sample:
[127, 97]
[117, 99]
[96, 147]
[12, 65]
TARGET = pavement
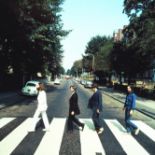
[143, 105]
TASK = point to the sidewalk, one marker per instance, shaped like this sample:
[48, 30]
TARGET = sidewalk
[145, 105]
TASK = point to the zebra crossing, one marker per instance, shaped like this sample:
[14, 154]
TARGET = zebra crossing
[57, 126]
[126, 141]
[15, 138]
[90, 143]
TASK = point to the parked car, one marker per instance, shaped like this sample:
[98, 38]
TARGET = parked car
[30, 88]
[83, 82]
[88, 84]
[57, 81]
[78, 80]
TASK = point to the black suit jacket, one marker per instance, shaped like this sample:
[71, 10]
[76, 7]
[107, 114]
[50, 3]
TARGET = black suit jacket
[73, 104]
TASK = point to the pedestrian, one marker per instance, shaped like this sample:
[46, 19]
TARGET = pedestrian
[41, 109]
[74, 110]
[96, 105]
[129, 107]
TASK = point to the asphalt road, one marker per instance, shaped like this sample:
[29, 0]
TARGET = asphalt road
[78, 142]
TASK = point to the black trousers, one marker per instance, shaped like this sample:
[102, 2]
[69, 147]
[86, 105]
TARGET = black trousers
[97, 120]
[71, 120]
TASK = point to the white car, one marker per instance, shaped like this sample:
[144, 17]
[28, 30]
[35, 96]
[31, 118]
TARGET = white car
[30, 88]
[57, 81]
[88, 84]
[83, 82]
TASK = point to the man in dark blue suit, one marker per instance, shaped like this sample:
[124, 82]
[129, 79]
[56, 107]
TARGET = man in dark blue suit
[96, 105]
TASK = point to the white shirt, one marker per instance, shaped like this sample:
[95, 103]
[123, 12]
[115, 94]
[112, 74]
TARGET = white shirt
[42, 101]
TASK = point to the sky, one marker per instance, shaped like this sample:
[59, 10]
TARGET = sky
[87, 19]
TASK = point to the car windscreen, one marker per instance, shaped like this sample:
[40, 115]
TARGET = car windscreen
[31, 84]
[89, 82]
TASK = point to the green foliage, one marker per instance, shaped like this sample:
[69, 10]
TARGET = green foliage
[87, 63]
[76, 69]
[30, 34]
[140, 35]
[133, 8]
[102, 59]
[95, 43]
[100, 48]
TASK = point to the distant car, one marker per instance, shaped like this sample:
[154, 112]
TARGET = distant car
[57, 81]
[83, 82]
[88, 84]
[30, 88]
[78, 80]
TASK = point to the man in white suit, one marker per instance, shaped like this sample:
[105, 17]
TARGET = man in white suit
[41, 109]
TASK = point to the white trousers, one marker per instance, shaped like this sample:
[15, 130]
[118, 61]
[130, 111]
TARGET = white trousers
[44, 117]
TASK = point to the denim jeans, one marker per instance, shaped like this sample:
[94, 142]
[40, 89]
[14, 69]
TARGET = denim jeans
[129, 125]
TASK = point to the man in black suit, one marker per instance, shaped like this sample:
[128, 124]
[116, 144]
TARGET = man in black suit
[74, 110]
[95, 104]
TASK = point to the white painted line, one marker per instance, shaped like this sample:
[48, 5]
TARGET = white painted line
[146, 129]
[9, 143]
[127, 141]
[5, 120]
[90, 142]
[51, 142]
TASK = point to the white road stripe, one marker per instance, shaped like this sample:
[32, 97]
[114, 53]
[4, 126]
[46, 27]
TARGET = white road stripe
[8, 144]
[51, 141]
[5, 120]
[146, 129]
[90, 142]
[127, 141]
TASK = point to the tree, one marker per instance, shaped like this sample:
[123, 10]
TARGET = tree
[68, 72]
[95, 43]
[123, 60]
[30, 34]
[99, 48]
[102, 59]
[76, 69]
[133, 8]
[135, 54]
[87, 63]
[140, 33]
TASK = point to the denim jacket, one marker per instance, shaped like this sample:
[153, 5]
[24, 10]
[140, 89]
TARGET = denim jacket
[130, 102]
